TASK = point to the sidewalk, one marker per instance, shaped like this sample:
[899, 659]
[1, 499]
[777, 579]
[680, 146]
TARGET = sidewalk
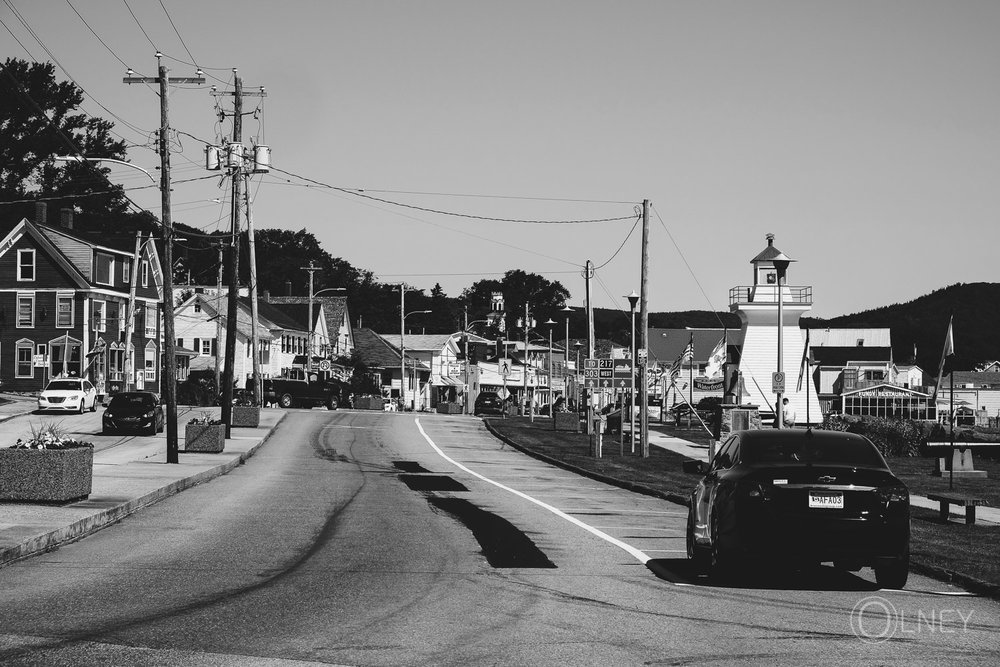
[127, 477]
[660, 437]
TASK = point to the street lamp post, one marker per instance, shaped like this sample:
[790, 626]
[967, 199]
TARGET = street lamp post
[402, 356]
[528, 323]
[633, 299]
[550, 323]
[781, 263]
[465, 342]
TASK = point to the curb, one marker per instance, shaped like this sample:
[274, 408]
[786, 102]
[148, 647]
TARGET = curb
[971, 584]
[88, 525]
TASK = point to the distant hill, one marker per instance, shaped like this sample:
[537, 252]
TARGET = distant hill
[924, 321]
[921, 322]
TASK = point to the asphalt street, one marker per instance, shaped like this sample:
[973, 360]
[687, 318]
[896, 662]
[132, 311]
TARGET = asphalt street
[388, 539]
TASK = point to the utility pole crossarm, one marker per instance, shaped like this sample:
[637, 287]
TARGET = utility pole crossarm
[156, 79]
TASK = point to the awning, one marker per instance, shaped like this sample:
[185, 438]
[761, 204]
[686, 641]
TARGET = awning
[445, 381]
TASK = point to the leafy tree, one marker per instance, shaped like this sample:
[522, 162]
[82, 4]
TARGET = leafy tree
[39, 119]
[544, 298]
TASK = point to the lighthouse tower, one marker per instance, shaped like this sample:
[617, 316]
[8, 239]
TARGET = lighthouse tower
[758, 307]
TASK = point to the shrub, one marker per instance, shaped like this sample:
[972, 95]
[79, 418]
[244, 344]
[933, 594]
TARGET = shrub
[48, 436]
[892, 437]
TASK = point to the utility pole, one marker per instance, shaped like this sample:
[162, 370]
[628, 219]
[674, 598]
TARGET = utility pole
[218, 320]
[588, 273]
[643, 335]
[169, 379]
[130, 315]
[254, 338]
[312, 268]
[235, 160]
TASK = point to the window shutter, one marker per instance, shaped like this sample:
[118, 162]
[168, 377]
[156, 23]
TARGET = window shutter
[197, 346]
[215, 347]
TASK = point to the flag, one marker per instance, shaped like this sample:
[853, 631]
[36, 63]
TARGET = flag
[716, 359]
[804, 366]
[949, 349]
[688, 353]
[675, 369]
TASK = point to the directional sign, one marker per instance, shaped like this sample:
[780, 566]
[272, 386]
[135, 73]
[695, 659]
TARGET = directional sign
[622, 369]
[778, 383]
[590, 363]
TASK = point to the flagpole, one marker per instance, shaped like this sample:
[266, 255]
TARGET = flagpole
[951, 415]
[690, 378]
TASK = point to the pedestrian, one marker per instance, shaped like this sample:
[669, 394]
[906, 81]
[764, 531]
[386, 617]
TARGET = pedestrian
[787, 414]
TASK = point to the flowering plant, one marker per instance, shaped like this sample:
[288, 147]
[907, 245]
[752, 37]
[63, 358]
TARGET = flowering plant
[205, 418]
[48, 436]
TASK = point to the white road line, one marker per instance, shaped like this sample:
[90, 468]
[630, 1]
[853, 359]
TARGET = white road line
[632, 551]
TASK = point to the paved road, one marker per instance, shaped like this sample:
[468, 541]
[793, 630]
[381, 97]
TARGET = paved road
[385, 539]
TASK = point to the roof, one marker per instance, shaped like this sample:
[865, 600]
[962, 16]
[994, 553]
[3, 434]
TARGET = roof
[770, 253]
[979, 379]
[210, 306]
[375, 351]
[827, 337]
[422, 342]
[292, 317]
[842, 356]
[666, 345]
[334, 308]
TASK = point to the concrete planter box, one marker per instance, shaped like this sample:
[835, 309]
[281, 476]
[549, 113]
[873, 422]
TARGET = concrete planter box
[566, 421]
[204, 438]
[449, 408]
[369, 403]
[247, 416]
[46, 475]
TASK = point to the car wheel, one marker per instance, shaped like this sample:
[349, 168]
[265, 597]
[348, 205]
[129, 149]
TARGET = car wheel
[699, 559]
[93, 406]
[285, 401]
[892, 572]
[722, 565]
[332, 403]
[83, 401]
[151, 430]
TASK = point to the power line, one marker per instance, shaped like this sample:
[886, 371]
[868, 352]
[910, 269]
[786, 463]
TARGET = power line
[631, 231]
[94, 33]
[177, 32]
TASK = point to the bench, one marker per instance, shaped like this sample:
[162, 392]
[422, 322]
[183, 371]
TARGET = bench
[968, 502]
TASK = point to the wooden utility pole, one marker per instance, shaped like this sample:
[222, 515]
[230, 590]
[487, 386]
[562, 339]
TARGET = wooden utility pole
[254, 338]
[236, 157]
[218, 321]
[643, 335]
[312, 268]
[588, 273]
[169, 378]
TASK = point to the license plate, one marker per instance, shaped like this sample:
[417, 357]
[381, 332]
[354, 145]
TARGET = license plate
[834, 501]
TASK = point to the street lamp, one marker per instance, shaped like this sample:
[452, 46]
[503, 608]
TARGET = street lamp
[633, 299]
[312, 322]
[781, 262]
[80, 158]
[465, 343]
[528, 323]
[402, 356]
[550, 323]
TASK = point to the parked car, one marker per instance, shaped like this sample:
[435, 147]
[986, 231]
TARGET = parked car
[799, 497]
[68, 395]
[489, 404]
[133, 411]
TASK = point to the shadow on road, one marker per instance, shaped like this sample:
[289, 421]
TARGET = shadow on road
[819, 577]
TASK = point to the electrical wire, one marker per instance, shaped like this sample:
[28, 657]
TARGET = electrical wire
[631, 231]
[94, 33]
[177, 32]
[136, 19]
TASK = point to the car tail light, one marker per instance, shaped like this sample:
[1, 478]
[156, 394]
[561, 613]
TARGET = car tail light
[893, 494]
[149, 414]
[753, 489]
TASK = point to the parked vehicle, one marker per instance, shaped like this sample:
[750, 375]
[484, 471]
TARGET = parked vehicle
[799, 497]
[489, 404]
[68, 395]
[293, 392]
[133, 411]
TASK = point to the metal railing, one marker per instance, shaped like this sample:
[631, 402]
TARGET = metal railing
[769, 294]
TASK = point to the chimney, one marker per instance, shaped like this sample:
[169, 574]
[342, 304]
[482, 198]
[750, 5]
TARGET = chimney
[288, 287]
[40, 209]
[66, 218]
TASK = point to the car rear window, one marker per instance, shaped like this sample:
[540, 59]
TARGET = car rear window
[121, 401]
[64, 385]
[849, 451]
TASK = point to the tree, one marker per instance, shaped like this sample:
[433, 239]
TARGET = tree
[544, 298]
[39, 119]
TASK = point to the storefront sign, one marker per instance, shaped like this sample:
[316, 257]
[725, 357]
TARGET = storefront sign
[708, 385]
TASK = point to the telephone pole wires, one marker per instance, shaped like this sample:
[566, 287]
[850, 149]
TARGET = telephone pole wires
[169, 378]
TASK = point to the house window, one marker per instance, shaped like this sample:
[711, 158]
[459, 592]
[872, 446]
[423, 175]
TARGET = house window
[25, 264]
[150, 320]
[42, 350]
[25, 310]
[126, 271]
[197, 307]
[206, 346]
[64, 310]
[144, 274]
[100, 321]
[104, 269]
[150, 362]
[24, 367]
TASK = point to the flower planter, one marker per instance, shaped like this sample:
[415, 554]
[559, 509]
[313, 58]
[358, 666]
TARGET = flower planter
[247, 416]
[46, 475]
[369, 403]
[204, 438]
[449, 408]
[566, 421]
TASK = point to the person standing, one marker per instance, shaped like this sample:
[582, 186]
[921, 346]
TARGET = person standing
[787, 414]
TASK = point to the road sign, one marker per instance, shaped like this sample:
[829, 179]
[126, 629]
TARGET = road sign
[641, 355]
[324, 364]
[504, 367]
[622, 369]
[590, 363]
[778, 382]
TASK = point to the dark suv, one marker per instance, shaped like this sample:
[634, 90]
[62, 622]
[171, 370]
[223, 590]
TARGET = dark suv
[133, 411]
[489, 404]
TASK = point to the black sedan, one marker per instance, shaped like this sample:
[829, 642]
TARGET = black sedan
[489, 404]
[797, 496]
[134, 412]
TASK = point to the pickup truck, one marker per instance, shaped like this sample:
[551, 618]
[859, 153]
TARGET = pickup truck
[291, 392]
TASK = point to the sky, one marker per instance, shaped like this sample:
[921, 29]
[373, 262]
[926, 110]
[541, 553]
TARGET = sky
[864, 135]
